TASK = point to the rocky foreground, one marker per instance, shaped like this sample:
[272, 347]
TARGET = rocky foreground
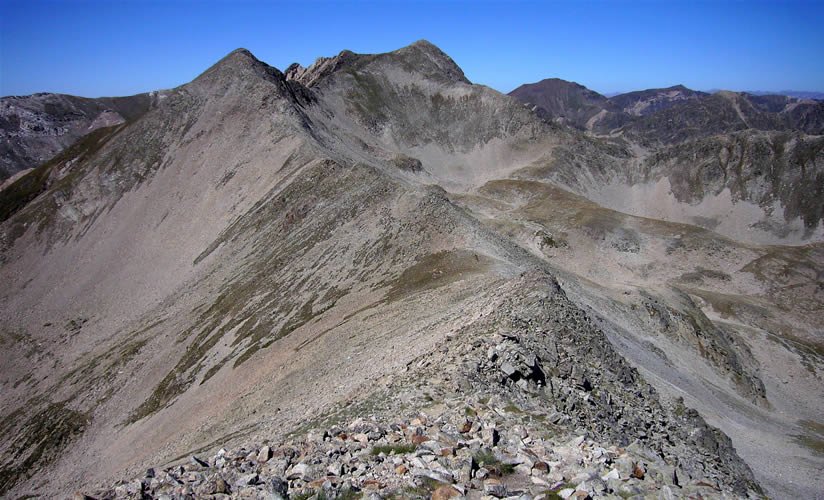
[484, 449]
[489, 415]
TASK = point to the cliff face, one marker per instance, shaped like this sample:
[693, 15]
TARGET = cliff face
[262, 248]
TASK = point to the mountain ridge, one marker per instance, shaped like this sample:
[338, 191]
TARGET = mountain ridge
[178, 281]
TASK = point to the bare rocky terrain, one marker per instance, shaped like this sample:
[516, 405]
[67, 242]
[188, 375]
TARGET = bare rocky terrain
[373, 277]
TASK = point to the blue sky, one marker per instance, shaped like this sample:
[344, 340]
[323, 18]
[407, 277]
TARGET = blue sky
[121, 47]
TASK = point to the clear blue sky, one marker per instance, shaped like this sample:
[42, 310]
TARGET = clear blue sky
[120, 47]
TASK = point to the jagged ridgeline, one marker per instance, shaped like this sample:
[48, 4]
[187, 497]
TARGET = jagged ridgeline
[377, 252]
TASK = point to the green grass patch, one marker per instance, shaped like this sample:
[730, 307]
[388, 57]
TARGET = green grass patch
[437, 270]
[488, 460]
[511, 408]
[553, 494]
[305, 495]
[38, 441]
[393, 449]
[348, 494]
[813, 438]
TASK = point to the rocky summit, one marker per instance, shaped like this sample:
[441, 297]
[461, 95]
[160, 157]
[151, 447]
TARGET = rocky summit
[372, 278]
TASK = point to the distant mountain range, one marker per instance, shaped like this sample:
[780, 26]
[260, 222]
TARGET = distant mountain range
[669, 115]
[801, 94]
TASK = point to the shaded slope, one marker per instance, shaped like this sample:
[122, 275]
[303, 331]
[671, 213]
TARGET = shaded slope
[751, 186]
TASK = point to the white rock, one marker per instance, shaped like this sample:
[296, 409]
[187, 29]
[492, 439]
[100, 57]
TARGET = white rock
[298, 471]
[566, 492]
[264, 454]
[540, 482]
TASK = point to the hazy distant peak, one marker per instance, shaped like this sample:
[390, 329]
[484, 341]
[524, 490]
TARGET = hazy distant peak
[555, 85]
[559, 81]
[800, 94]
[563, 101]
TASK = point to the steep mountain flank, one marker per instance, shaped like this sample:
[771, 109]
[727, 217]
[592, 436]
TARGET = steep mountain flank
[33, 129]
[267, 253]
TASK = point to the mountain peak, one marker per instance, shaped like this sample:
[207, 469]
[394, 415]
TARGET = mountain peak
[424, 43]
[421, 57]
[556, 84]
[429, 59]
[239, 63]
[239, 56]
[729, 94]
[241, 51]
[562, 101]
